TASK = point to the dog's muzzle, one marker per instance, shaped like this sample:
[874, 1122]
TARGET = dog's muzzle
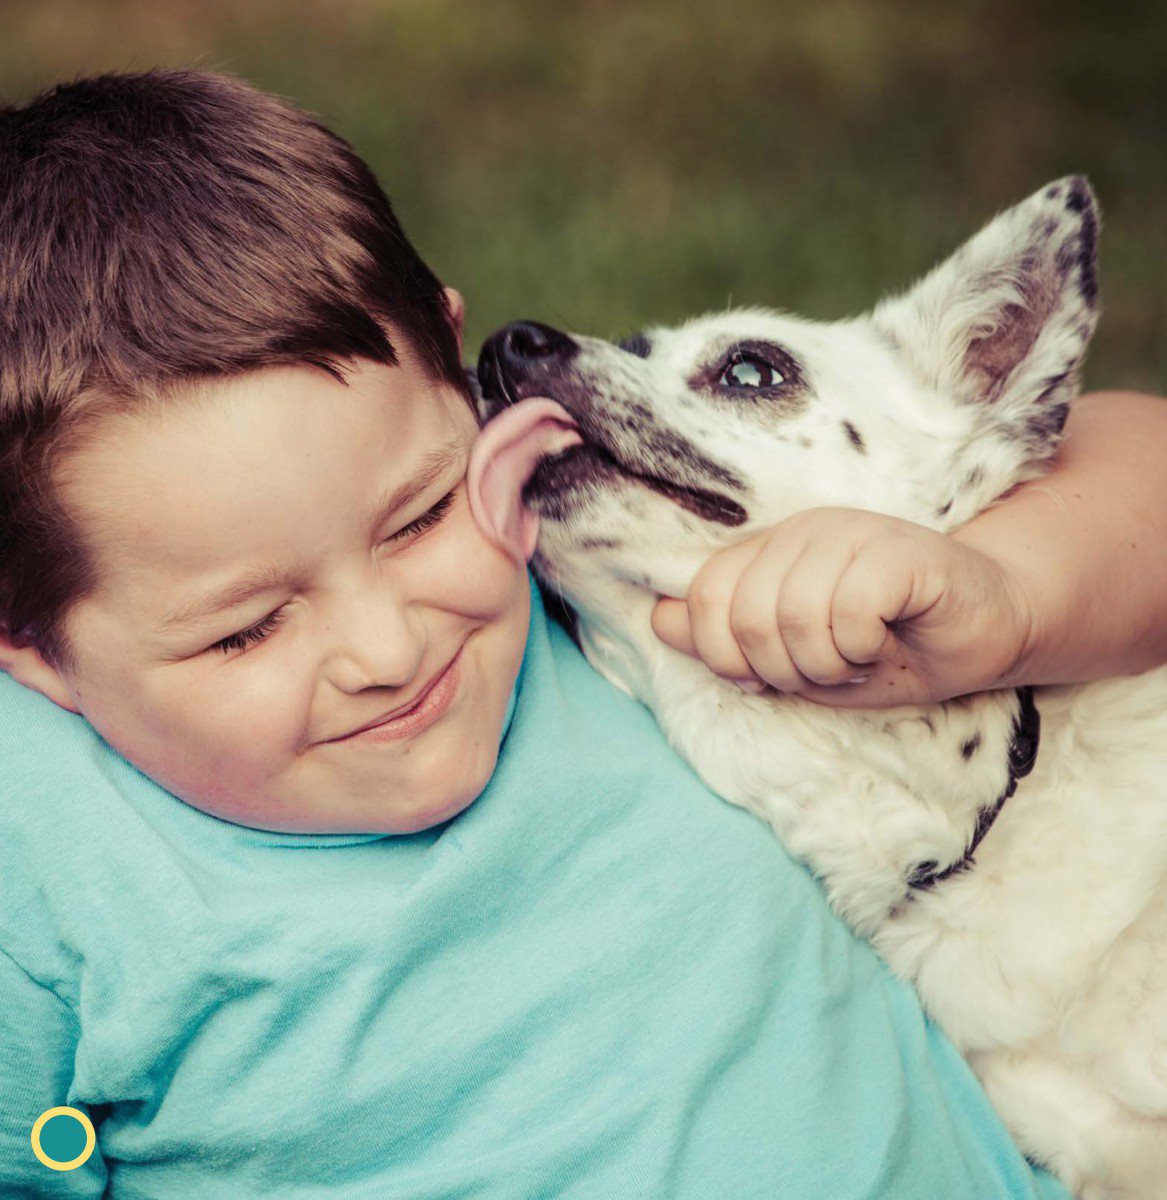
[527, 359]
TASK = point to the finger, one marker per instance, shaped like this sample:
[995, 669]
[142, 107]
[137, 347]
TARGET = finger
[869, 588]
[670, 623]
[879, 586]
[804, 612]
[754, 613]
[710, 598]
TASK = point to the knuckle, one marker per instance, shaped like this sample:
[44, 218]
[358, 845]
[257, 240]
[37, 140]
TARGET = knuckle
[707, 594]
[850, 611]
[819, 668]
[793, 618]
[856, 651]
[753, 628]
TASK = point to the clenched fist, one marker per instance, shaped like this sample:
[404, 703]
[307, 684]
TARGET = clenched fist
[854, 609]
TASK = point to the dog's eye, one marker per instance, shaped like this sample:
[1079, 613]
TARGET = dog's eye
[749, 371]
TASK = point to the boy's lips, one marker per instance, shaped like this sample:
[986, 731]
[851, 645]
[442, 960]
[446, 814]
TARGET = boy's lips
[444, 681]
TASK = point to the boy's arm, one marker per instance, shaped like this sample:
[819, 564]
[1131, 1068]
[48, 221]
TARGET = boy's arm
[1088, 545]
[38, 1041]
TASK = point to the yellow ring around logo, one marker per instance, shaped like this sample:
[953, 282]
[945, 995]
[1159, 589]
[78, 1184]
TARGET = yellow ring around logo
[63, 1111]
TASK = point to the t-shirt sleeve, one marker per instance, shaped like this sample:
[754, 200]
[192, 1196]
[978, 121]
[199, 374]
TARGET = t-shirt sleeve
[38, 1041]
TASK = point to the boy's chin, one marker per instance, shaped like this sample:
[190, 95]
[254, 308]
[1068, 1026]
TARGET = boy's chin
[439, 811]
[431, 820]
[436, 806]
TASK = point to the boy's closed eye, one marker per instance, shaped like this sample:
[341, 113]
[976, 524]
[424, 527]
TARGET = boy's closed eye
[427, 520]
[259, 632]
[252, 634]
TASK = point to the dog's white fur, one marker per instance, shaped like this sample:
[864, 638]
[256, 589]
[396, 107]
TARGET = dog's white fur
[1046, 961]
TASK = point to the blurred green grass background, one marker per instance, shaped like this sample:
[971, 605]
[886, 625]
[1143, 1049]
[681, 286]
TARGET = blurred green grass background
[603, 165]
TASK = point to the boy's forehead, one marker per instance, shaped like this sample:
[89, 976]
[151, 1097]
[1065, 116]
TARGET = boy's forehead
[261, 468]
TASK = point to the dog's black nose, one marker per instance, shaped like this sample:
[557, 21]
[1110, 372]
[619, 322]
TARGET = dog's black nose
[519, 354]
[524, 341]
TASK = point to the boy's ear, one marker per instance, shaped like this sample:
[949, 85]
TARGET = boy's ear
[1004, 323]
[27, 666]
[457, 310]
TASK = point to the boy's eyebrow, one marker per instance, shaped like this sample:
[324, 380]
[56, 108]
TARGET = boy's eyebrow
[262, 579]
[433, 465]
[199, 607]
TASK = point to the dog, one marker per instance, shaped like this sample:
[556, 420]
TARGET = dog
[1006, 852]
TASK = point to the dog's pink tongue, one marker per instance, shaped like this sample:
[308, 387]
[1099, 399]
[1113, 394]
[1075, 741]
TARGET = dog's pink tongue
[502, 460]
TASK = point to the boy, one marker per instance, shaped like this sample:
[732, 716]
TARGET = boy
[369, 885]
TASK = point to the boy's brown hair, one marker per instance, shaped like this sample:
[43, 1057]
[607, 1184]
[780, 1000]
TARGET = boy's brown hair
[169, 226]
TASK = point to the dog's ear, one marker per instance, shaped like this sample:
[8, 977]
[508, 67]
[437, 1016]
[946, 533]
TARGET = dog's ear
[1006, 320]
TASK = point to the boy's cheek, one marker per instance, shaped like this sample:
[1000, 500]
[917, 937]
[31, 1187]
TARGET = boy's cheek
[245, 724]
[210, 766]
[249, 741]
[470, 575]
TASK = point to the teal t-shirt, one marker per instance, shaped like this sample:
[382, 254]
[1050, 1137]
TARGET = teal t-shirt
[599, 981]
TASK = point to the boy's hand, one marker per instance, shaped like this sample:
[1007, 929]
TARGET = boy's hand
[835, 594]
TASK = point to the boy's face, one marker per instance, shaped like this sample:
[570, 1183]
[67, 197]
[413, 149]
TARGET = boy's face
[277, 483]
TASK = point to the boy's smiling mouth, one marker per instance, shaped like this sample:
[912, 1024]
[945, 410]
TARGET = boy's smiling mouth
[411, 718]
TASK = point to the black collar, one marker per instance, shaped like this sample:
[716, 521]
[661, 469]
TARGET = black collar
[1022, 756]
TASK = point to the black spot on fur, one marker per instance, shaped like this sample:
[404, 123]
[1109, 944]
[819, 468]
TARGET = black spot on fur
[1051, 193]
[1052, 384]
[1080, 253]
[1088, 257]
[1047, 423]
[1066, 259]
[974, 478]
[921, 876]
[855, 437]
[942, 511]
[970, 747]
[636, 343]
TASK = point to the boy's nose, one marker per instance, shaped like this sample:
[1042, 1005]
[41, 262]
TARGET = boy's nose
[378, 643]
[518, 356]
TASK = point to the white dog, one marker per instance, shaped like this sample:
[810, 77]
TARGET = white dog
[1031, 915]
